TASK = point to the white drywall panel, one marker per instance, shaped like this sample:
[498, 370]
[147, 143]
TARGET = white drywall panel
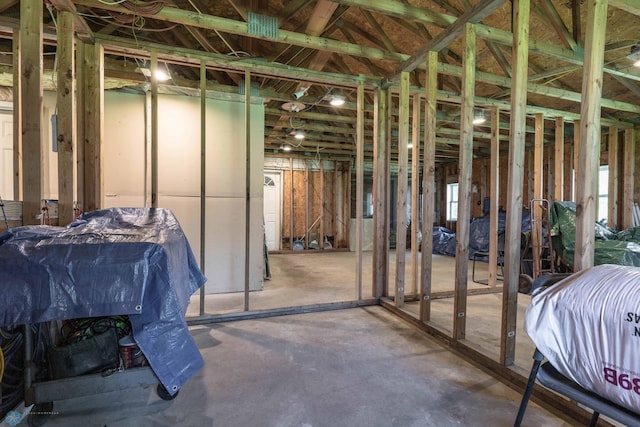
[124, 141]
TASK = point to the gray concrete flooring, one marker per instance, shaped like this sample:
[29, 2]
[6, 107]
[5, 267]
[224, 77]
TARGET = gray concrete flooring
[357, 367]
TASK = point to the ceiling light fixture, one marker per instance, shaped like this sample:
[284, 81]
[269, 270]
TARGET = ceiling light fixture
[285, 147]
[337, 100]
[162, 72]
[299, 94]
[478, 117]
[299, 135]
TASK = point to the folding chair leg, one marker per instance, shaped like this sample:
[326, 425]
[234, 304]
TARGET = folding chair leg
[537, 360]
[594, 419]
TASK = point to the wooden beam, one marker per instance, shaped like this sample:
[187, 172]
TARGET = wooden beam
[536, 232]
[32, 121]
[80, 25]
[494, 196]
[464, 183]
[247, 183]
[589, 152]
[558, 192]
[629, 6]
[614, 170]
[515, 180]
[359, 188]
[474, 15]
[401, 203]
[428, 186]
[415, 174]
[556, 21]
[17, 116]
[66, 117]
[203, 181]
[154, 130]
[93, 132]
[576, 152]
[628, 171]
[380, 194]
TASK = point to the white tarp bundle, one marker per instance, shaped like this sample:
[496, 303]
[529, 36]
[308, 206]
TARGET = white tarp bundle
[588, 327]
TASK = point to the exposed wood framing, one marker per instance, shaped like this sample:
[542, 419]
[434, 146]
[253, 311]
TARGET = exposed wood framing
[291, 217]
[66, 114]
[464, 182]
[514, 182]
[154, 130]
[494, 196]
[32, 121]
[428, 186]
[380, 211]
[415, 174]
[17, 116]
[558, 192]
[614, 170]
[628, 171]
[247, 183]
[577, 128]
[359, 188]
[401, 205]
[589, 152]
[203, 180]
[536, 233]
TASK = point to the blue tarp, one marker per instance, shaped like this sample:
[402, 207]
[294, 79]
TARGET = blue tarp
[131, 261]
[444, 240]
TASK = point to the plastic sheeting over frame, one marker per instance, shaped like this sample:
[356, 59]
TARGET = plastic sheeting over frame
[130, 261]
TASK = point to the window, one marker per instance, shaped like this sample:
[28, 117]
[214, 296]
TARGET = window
[603, 194]
[452, 201]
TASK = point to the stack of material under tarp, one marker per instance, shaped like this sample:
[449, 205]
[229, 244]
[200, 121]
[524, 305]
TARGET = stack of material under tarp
[588, 327]
[610, 247]
[131, 261]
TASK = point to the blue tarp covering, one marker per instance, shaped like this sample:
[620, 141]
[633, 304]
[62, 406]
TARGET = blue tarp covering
[131, 261]
[444, 240]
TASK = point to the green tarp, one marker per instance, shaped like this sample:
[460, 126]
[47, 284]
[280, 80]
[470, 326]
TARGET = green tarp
[610, 247]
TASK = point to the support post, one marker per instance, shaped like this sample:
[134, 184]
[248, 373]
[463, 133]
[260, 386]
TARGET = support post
[401, 203]
[629, 177]
[380, 212]
[517, 133]
[589, 152]
[247, 218]
[614, 170]
[536, 233]
[494, 194]
[359, 187]
[66, 117]
[415, 175]
[428, 185]
[31, 96]
[558, 192]
[203, 177]
[464, 182]
[154, 130]
[17, 116]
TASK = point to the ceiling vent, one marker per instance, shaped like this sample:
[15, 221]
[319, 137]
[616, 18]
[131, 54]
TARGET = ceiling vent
[262, 25]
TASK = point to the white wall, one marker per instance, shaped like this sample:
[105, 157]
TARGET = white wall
[179, 176]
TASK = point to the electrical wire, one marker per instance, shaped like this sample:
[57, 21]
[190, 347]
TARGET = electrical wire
[1, 364]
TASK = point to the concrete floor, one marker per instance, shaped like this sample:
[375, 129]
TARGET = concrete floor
[356, 367]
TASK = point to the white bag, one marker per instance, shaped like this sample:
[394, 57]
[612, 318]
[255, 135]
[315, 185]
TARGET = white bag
[588, 327]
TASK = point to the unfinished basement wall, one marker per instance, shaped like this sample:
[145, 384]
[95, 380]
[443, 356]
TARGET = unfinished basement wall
[314, 199]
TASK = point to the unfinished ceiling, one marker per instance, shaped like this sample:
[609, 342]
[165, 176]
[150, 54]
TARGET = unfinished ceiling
[321, 48]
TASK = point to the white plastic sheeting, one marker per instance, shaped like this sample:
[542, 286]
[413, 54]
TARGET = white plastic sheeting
[588, 327]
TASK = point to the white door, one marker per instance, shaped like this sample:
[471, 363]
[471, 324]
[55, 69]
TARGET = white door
[6, 156]
[272, 210]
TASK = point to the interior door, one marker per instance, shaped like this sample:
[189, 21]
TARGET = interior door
[272, 210]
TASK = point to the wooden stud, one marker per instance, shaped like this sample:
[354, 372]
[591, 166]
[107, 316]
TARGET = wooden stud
[614, 171]
[203, 178]
[17, 116]
[380, 213]
[81, 103]
[558, 192]
[536, 233]
[247, 178]
[515, 179]
[334, 199]
[66, 114]
[401, 202]
[154, 130]
[576, 151]
[628, 167]
[428, 186]
[464, 183]
[387, 191]
[494, 194]
[322, 204]
[359, 188]
[32, 121]
[415, 175]
[307, 208]
[291, 217]
[589, 152]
